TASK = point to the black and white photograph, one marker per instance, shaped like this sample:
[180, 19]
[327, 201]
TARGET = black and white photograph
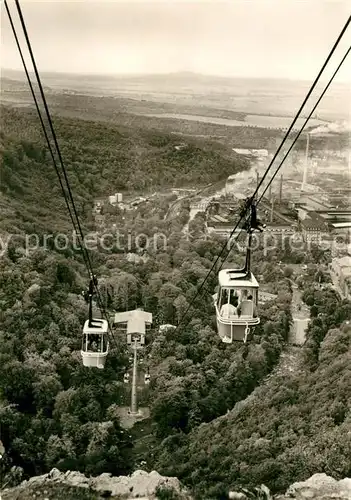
[175, 249]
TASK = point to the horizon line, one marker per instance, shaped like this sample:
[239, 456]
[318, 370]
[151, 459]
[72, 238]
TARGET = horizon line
[172, 73]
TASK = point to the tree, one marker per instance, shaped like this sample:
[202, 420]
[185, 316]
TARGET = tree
[59, 451]
[170, 410]
[45, 392]
[181, 306]
[288, 272]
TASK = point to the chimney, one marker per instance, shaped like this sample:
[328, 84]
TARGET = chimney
[272, 205]
[270, 191]
[304, 180]
[281, 189]
[258, 178]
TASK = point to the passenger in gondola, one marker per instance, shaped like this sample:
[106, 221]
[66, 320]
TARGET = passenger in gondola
[254, 309]
[93, 343]
[233, 300]
[236, 304]
[229, 309]
[247, 305]
[243, 297]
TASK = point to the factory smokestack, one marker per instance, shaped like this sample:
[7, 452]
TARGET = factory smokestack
[281, 190]
[304, 180]
[272, 211]
[257, 178]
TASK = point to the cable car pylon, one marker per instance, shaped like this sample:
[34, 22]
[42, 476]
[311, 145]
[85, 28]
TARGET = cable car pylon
[134, 396]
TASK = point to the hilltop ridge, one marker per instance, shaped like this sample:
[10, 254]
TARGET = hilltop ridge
[280, 97]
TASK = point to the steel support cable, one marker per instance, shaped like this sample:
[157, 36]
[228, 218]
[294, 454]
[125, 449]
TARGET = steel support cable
[307, 119]
[308, 95]
[305, 123]
[19, 10]
[270, 165]
[39, 113]
[90, 268]
[85, 254]
[44, 131]
[42, 121]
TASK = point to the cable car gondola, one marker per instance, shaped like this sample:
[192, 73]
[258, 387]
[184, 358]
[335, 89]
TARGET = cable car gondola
[237, 298]
[95, 343]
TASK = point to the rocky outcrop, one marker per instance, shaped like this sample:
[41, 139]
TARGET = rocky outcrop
[140, 485]
[317, 487]
[320, 487]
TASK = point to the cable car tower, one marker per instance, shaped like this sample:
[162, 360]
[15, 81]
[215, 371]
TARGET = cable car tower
[95, 343]
[237, 297]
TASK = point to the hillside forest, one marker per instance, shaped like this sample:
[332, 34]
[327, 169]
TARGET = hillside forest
[56, 413]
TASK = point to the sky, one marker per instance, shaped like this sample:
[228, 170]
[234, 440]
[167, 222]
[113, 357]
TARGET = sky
[240, 38]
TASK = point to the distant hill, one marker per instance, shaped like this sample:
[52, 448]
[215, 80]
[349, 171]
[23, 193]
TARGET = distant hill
[14, 84]
[100, 159]
[246, 95]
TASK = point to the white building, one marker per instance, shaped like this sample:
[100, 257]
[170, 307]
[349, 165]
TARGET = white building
[115, 198]
[263, 153]
[164, 328]
[340, 270]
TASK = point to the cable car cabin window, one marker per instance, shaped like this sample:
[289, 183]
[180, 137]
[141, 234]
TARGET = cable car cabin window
[228, 302]
[247, 303]
[223, 298]
[236, 303]
[248, 294]
[95, 342]
[122, 327]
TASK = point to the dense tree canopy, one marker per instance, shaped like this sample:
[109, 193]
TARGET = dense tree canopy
[54, 412]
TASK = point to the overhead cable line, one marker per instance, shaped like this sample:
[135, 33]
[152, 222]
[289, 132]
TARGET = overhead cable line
[84, 250]
[39, 113]
[50, 122]
[44, 131]
[43, 124]
[307, 119]
[269, 167]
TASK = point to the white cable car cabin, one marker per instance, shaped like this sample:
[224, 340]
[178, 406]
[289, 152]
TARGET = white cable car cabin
[95, 344]
[236, 303]
[237, 298]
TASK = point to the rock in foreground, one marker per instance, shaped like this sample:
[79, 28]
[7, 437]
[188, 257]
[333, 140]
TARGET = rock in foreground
[74, 485]
[142, 485]
[320, 487]
[317, 487]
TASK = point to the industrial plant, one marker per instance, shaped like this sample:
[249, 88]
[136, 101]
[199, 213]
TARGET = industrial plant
[311, 196]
